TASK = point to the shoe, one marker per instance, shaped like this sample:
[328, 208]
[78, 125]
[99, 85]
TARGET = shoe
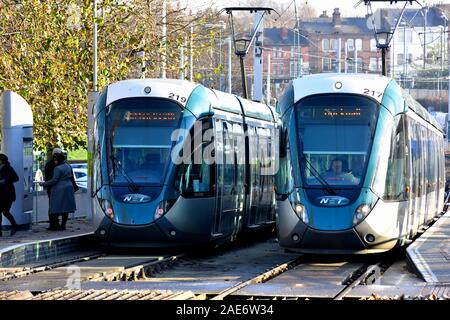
[1, 234]
[13, 231]
[52, 229]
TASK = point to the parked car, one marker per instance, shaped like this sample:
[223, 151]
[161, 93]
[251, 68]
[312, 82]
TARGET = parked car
[79, 165]
[80, 175]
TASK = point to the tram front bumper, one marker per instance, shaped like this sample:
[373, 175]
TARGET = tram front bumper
[295, 235]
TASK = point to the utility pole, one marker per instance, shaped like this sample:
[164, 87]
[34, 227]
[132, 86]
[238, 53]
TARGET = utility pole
[94, 47]
[405, 62]
[442, 65]
[221, 80]
[258, 58]
[245, 40]
[298, 46]
[425, 13]
[191, 62]
[448, 63]
[182, 60]
[345, 56]
[164, 40]
[268, 93]
[92, 99]
[229, 63]
[393, 56]
[338, 65]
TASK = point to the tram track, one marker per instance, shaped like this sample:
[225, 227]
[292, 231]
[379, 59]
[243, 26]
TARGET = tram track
[368, 276]
[142, 271]
[7, 274]
[249, 271]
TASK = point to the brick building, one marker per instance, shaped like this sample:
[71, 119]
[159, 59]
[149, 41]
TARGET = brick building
[337, 42]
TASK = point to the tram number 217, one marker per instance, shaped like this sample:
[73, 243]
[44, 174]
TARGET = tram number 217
[373, 93]
[177, 97]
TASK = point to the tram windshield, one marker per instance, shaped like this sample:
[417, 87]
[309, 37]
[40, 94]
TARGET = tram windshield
[335, 133]
[140, 143]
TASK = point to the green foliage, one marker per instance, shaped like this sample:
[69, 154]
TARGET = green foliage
[80, 154]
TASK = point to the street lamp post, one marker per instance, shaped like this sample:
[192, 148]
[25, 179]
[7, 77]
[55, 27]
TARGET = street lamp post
[242, 45]
[383, 44]
[94, 48]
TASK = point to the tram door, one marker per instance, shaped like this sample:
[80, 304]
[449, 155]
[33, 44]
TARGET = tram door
[254, 196]
[412, 149]
[226, 218]
[266, 179]
[422, 174]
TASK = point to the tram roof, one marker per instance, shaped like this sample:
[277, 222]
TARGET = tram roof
[231, 103]
[158, 88]
[339, 83]
[178, 89]
[373, 85]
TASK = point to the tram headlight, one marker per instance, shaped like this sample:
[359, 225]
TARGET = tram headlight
[361, 213]
[299, 208]
[163, 207]
[108, 208]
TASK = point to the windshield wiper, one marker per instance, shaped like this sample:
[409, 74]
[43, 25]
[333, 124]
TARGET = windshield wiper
[132, 186]
[319, 177]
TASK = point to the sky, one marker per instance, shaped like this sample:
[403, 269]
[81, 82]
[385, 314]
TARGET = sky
[346, 7]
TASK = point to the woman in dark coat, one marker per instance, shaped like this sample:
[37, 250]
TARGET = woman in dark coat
[7, 192]
[62, 194]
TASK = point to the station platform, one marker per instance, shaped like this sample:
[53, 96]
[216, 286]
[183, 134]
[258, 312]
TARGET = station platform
[429, 255]
[39, 244]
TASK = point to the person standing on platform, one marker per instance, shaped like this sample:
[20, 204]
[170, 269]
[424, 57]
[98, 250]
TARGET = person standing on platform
[62, 193]
[48, 175]
[7, 192]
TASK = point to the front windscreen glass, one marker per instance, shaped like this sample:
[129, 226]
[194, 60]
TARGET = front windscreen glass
[335, 133]
[140, 143]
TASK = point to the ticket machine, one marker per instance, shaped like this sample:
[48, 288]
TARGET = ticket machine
[16, 141]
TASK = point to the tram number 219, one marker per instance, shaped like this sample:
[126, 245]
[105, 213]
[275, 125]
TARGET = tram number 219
[177, 97]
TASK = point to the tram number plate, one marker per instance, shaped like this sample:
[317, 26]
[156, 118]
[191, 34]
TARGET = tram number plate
[373, 93]
[177, 97]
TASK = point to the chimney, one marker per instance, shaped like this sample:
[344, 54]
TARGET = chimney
[324, 14]
[336, 17]
[284, 33]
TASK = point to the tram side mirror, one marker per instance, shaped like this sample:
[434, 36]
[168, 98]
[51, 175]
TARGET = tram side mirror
[277, 106]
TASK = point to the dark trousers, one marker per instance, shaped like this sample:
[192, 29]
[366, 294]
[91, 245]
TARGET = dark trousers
[54, 220]
[4, 211]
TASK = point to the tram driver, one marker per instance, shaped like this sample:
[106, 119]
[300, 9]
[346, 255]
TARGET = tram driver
[338, 172]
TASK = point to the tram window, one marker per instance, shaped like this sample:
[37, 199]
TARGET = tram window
[99, 143]
[414, 156]
[239, 144]
[139, 136]
[424, 157]
[96, 160]
[263, 142]
[284, 176]
[436, 162]
[197, 179]
[254, 161]
[335, 133]
[229, 159]
[395, 188]
[430, 160]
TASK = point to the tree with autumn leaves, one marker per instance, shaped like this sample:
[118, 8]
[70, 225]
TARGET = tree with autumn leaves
[46, 54]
